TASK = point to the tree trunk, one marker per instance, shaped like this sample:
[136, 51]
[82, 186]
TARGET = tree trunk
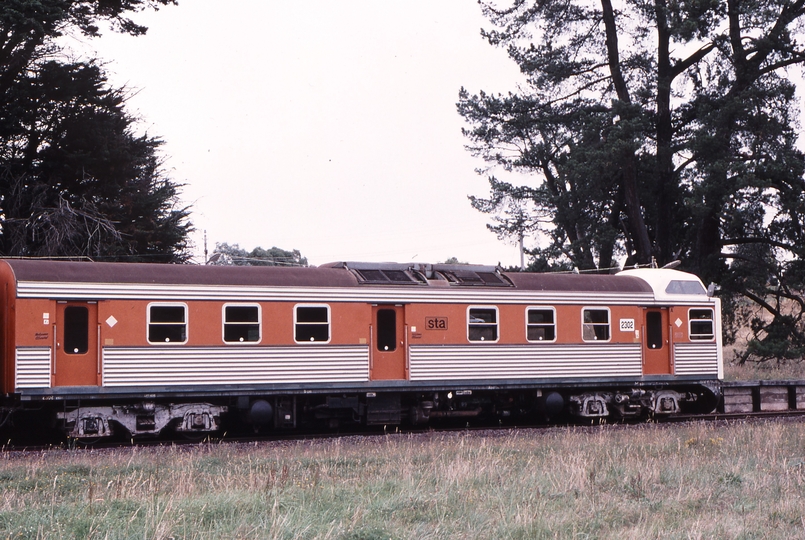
[665, 158]
[637, 225]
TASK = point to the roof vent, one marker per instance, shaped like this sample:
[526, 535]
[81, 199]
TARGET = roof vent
[469, 275]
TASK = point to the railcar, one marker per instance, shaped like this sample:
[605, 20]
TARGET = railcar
[140, 348]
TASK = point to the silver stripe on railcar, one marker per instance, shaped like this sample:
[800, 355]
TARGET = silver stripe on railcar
[140, 366]
[109, 291]
[32, 367]
[524, 362]
[696, 358]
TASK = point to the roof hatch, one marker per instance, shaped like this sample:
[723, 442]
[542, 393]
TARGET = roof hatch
[426, 274]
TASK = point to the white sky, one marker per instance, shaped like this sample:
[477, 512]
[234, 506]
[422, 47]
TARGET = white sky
[328, 127]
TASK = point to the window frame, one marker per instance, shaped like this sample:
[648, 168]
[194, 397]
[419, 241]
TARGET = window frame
[186, 323]
[259, 323]
[328, 323]
[540, 325]
[495, 325]
[705, 337]
[594, 324]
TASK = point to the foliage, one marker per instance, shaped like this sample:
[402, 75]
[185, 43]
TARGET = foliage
[75, 179]
[233, 254]
[454, 260]
[29, 27]
[655, 131]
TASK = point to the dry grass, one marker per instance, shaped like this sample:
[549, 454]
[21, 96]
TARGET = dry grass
[695, 481]
[754, 371]
[764, 372]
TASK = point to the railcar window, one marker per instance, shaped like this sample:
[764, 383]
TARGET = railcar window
[482, 324]
[312, 323]
[701, 324]
[241, 323]
[540, 324]
[167, 323]
[677, 286]
[595, 325]
[76, 330]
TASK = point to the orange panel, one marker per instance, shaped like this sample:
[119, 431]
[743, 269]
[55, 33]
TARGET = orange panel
[437, 324]
[34, 324]
[123, 322]
[350, 323]
[631, 317]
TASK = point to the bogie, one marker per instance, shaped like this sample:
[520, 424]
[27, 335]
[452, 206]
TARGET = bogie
[141, 419]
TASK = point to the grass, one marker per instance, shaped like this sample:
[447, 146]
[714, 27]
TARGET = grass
[755, 371]
[651, 481]
[752, 371]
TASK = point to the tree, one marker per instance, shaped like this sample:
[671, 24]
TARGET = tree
[75, 179]
[28, 28]
[658, 130]
[225, 254]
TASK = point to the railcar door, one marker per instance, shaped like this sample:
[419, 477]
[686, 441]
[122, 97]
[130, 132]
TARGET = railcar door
[389, 348]
[76, 357]
[656, 342]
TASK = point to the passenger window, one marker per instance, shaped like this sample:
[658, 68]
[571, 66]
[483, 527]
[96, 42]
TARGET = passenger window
[167, 323]
[595, 325]
[312, 323]
[482, 324]
[241, 323]
[76, 330]
[701, 324]
[540, 324]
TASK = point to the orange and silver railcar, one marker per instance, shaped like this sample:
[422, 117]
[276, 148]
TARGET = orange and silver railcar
[110, 346]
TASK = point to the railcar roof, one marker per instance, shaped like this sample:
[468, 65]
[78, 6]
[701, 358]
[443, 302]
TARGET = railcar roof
[333, 275]
[578, 282]
[178, 274]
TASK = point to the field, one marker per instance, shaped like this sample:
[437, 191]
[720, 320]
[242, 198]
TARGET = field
[740, 480]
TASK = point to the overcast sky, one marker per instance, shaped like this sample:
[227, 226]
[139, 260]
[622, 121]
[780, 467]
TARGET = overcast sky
[327, 127]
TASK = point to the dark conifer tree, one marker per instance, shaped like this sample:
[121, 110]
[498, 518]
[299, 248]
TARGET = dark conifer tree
[75, 177]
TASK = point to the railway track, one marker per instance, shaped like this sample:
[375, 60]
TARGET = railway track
[761, 414]
[740, 400]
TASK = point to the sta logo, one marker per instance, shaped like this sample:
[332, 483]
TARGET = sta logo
[436, 323]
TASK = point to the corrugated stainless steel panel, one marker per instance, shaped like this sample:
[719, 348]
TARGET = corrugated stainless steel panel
[524, 362]
[696, 358]
[314, 294]
[165, 366]
[32, 367]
